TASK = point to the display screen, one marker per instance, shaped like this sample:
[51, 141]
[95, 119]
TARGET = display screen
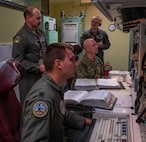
[129, 14]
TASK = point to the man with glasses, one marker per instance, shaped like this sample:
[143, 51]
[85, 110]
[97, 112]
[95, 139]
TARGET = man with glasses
[44, 115]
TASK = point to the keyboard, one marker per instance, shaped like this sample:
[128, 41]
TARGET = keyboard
[114, 129]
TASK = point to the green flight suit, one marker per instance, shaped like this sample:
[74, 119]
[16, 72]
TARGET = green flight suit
[100, 35]
[28, 48]
[44, 114]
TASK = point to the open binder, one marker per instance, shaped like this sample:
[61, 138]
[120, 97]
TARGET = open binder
[101, 83]
[93, 99]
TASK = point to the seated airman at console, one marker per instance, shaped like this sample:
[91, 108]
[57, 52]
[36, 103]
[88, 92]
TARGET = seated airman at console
[89, 66]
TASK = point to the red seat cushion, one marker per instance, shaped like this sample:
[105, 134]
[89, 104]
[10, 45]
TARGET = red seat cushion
[10, 109]
[11, 71]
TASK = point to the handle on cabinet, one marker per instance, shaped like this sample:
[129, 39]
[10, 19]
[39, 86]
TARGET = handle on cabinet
[144, 62]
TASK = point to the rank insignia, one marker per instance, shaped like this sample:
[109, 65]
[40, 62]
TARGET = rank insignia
[62, 107]
[17, 39]
[40, 109]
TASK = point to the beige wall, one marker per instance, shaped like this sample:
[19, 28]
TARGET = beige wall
[10, 22]
[117, 55]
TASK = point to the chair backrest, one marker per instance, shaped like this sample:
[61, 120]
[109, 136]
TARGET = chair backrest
[11, 71]
[77, 49]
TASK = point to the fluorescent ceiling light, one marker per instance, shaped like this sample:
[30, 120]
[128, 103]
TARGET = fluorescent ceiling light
[85, 1]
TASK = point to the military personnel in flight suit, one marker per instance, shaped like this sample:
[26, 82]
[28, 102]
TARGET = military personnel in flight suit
[44, 114]
[89, 66]
[98, 35]
[28, 46]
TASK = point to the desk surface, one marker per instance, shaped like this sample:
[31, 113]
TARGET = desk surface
[125, 99]
[125, 105]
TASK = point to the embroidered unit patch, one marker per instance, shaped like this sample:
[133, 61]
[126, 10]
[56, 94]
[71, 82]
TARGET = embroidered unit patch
[17, 39]
[40, 109]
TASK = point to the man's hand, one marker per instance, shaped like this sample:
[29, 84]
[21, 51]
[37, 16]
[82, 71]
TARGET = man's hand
[100, 44]
[88, 121]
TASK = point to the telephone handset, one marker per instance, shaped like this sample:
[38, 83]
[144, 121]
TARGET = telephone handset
[142, 117]
[137, 100]
[144, 62]
[139, 94]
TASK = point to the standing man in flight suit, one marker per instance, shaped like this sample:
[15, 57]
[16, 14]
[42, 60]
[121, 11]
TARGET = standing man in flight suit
[44, 115]
[99, 35]
[28, 46]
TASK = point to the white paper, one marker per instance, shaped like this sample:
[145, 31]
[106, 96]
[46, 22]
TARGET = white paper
[87, 95]
[107, 82]
[75, 95]
[85, 82]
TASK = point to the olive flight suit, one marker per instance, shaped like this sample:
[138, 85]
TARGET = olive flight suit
[44, 114]
[100, 35]
[28, 47]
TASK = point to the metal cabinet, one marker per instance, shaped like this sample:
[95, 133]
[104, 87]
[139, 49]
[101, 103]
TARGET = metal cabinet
[138, 40]
[72, 29]
[48, 25]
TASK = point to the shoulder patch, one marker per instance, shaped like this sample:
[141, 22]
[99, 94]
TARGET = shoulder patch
[40, 109]
[17, 39]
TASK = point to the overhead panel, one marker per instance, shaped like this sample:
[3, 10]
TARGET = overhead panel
[126, 14]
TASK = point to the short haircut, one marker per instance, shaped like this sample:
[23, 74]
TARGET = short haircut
[54, 51]
[86, 42]
[28, 11]
[97, 17]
